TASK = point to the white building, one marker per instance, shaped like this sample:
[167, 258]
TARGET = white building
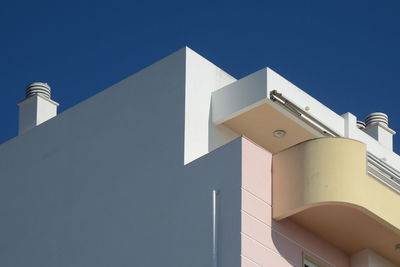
[183, 165]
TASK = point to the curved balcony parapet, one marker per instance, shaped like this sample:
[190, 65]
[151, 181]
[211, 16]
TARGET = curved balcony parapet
[323, 185]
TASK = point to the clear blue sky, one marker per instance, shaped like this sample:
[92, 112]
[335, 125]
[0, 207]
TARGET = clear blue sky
[346, 54]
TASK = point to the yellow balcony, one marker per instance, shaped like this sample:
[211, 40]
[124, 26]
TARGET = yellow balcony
[323, 185]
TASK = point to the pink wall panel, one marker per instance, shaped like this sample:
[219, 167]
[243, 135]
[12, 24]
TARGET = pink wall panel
[268, 242]
[276, 242]
[256, 207]
[262, 255]
[246, 262]
[256, 170]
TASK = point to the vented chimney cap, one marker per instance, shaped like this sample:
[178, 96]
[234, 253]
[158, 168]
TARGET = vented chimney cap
[360, 125]
[377, 117]
[38, 88]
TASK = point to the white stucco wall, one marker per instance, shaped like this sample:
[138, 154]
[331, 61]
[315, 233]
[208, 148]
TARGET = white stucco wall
[201, 134]
[34, 111]
[104, 183]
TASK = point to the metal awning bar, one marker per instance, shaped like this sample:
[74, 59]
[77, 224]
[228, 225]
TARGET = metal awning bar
[278, 98]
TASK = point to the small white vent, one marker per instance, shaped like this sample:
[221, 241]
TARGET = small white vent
[38, 88]
[377, 117]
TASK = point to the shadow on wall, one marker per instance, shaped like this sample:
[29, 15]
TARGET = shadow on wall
[287, 247]
[218, 134]
[294, 242]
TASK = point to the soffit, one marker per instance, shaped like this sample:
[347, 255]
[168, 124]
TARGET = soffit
[258, 124]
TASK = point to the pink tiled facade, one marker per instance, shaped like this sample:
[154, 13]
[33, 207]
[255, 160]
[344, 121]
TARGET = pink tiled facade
[266, 242]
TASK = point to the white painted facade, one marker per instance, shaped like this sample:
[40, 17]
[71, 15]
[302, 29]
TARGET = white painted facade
[35, 110]
[104, 183]
[126, 178]
[201, 134]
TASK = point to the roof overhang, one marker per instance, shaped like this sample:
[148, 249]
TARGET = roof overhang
[247, 108]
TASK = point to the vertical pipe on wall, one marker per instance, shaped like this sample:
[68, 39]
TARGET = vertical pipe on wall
[215, 228]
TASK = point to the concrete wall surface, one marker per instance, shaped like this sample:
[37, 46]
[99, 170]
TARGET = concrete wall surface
[104, 183]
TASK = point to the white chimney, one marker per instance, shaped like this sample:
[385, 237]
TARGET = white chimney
[36, 108]
[377, 126]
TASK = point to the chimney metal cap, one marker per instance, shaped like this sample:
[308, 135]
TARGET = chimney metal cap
[360, 125]
[377, 117]
[38, 88]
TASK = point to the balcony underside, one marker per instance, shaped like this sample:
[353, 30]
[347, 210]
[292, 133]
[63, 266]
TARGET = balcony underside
[350, 228]
[259, 123]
